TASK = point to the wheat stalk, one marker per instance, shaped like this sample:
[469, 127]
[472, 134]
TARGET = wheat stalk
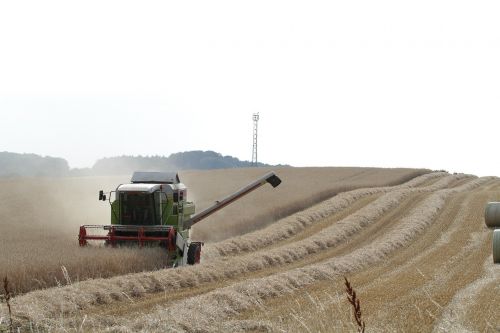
[66, 275]
[7, 300]
[354, 300]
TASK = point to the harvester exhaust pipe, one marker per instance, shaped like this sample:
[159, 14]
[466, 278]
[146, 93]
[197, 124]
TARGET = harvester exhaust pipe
[270, 178]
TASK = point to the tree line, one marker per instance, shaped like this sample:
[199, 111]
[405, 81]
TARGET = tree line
[32, 165]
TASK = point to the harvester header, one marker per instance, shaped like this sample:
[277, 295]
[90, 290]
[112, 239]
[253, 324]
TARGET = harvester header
[153, 209]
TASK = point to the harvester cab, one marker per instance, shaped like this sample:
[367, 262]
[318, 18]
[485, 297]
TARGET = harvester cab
[153, 210]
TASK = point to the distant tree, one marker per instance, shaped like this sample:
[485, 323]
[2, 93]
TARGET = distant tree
[189, 160]
[32, 165]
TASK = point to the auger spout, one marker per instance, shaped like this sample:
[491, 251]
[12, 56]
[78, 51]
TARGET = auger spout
[270, 178]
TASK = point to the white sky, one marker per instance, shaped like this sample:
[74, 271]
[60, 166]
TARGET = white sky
[337, 83]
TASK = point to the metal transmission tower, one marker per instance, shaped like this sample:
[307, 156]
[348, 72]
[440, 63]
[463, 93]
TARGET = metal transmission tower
[254, 149]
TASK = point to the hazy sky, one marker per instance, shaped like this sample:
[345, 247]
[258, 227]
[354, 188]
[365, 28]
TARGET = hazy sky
[337, 83]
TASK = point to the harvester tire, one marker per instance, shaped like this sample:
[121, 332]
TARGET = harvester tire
[194, 253]
[171, 246]
[496, 246]
[492, 215]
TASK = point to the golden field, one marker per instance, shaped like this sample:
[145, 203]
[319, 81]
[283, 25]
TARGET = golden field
[413, 244]
[39, 218]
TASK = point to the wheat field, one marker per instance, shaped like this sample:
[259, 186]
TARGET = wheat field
[39, 218]
[415, 248]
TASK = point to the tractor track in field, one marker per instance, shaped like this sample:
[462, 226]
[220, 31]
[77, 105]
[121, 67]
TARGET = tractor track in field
[437, 267]
[439, 235]
[366, 222]
[365, 201]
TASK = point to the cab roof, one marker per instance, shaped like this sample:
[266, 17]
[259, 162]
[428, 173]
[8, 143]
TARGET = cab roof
[153, 177]
[150, 188]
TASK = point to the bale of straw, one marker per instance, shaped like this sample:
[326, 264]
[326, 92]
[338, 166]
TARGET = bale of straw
[496, 246]
[492, 215]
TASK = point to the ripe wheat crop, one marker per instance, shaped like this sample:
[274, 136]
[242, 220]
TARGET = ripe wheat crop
[258, 281]
[106, 291]
[39, 218]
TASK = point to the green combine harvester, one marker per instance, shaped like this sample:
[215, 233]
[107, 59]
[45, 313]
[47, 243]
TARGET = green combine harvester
[153, 210]
[492, 220]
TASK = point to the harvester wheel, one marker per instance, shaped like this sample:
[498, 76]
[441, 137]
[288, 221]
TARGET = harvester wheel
[194, 253]
[171, 246]
[81, 236]
[496, 246]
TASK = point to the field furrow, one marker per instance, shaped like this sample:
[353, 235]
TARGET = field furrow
[296, 224]
[443, 281]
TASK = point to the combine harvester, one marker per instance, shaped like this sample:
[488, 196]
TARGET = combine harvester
[492, 220]
[154, 210]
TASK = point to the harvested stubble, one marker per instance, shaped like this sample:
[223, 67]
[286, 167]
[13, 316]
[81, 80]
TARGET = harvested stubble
[292, 225]
[42, 216]
[300, 189]
[410, 289]
[194, 314]
[306, 313]
[103, 291]
[476, 299]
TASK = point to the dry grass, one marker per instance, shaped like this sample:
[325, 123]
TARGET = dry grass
[418, 253]
[300, 189]
[444, 281]
[306, 311]
[38, 240]
[7, 296]
[107, 291]
[39, 218]
[296, 223]
[415, 252]
[477, 303]
[195, 313]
